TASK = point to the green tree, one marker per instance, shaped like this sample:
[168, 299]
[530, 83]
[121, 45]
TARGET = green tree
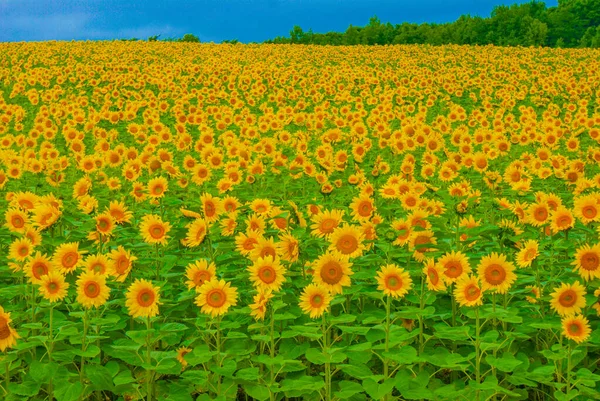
[536, 33]
[188, 37]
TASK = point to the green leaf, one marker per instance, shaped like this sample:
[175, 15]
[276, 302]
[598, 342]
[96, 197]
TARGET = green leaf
[250, 374]
[507, 363]
[100, 377]
[68, 391]
[378, 391]
[348, 389]
[255, 391]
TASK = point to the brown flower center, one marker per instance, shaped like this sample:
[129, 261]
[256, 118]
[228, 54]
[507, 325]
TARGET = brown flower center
[145, 297]
[216, 298]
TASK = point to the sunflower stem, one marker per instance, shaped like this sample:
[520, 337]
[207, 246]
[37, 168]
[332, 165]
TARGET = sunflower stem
[569, 367]
[149, 375]
[272, 352]
[477, 351]
[386, 361]
[219, 354]
[421, 323]
[50, 347]
[83, 345]
[157, 264]
[327, 364]
[7, 372]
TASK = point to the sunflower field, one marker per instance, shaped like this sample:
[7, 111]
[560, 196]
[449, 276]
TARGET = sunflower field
[270, 222]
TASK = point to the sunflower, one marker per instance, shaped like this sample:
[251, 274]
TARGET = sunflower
[216, 297]
[228, 224]
[528, 253]
[535, 293]
[561, 219]
[142, 299]
[454, 265]
[568, 299]
[20, 249]
[362, 208]
[587, 261]
[332, 271]
[434, 274]
[157, 187]
[53, 286]
[44, 215]
[121, 262]
[119, 212]
[67, 257]
[405, 229]
[267, 273]
[245, 243]
[324, 222]
[258, 308]
[393, 281]
[105, 224]
[538, 214]
[263, 248]
[347, 240]
[211, 207]
[98, 263]
[256, 223]
[576, 328]
[199, 272]
[33, 235]
[38, 266]
[154, 230]
[8, 335]
[181, 353]
[596, 304]
[420, 242]
[586, 208]
[92, 290]
[288, 247]
[468, 292]
[261, 206]
[314, 300]
[16, 220]
[196, 232]
[496, 273]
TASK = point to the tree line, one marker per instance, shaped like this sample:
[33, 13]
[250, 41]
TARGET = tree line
[573, 23]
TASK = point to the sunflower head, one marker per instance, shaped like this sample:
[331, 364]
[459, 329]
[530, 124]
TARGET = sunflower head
[142, 299]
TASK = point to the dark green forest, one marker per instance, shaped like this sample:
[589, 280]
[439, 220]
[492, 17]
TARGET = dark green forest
[573, 23]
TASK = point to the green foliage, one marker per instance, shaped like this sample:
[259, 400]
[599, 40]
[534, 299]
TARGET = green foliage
[573, 23]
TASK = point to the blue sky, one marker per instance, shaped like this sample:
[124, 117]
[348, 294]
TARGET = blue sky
[215, 20]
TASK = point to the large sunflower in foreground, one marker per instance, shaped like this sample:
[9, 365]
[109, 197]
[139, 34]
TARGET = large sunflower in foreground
[468, 292]
[332, 271]
[53, 286]
[454, 265]
[434, 274]
[267, 273]
[568, 299]
[347, 240]
[216, 297]
[576, 328]
[67, 257]
[314, 300]
[142, 299]
[587, 261]
[496, 273]
[196, 232]
[92, 290]
[8, 335]
[393, 281]
[528, 253]
[199, 272]
[154, 230]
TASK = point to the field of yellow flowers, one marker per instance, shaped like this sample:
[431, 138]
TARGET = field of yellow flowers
[261, 222]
